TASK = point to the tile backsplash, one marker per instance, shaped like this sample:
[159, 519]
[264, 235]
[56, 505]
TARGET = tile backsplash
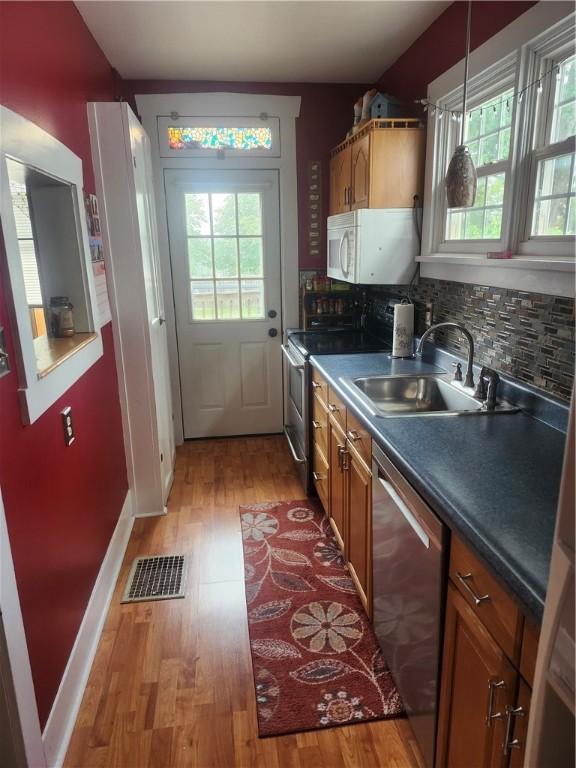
[529, 336]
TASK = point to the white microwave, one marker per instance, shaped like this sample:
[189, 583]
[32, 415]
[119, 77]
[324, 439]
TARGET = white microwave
[373, 246]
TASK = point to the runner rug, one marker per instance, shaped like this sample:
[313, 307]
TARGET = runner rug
[315, 658]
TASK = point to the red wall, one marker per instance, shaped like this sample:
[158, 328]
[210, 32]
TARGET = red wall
[61, 503]
[443, 44]
[326, 114]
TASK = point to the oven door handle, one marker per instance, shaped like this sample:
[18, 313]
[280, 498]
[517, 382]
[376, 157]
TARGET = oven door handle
[295, 456]
[293, 363]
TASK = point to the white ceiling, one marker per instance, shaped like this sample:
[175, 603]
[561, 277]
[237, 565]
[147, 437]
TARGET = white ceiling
[271, 40]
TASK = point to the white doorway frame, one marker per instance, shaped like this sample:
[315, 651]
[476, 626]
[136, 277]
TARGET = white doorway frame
[287, 109]
[26, 708]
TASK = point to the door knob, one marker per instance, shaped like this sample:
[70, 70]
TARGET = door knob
[272, 313]
[273, 332]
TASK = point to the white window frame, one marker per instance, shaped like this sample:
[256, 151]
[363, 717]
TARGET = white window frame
[507, 58]
[542, 58]
[24, 141]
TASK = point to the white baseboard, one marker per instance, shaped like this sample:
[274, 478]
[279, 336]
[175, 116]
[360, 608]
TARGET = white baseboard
[58, 730]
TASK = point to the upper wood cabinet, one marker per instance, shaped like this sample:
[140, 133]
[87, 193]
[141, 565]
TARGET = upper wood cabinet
[340, 180]
[382, 166]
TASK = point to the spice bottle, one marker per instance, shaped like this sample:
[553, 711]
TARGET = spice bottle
[61, 316]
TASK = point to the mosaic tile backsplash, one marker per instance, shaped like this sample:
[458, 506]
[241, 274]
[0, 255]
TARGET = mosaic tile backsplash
[529, 336]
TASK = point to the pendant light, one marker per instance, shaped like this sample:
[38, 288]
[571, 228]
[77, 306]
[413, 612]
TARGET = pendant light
[461, 177]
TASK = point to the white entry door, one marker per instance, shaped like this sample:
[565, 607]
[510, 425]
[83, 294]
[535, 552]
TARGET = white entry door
[146, 221]
[224, 233]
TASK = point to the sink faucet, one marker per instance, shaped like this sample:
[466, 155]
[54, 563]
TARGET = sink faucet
[487, 394]
[469, 382]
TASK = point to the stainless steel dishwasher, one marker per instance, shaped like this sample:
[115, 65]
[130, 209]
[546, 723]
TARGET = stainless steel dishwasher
[408, 583]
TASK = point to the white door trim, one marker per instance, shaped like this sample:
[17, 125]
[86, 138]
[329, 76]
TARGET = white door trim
[18, 652]
[287, 109]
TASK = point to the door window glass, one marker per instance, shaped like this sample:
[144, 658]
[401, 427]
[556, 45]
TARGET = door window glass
[225, 247]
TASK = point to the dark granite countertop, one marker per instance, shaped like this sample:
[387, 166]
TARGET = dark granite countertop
[492, 479]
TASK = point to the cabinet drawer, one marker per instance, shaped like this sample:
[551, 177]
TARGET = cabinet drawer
[319, 386]
[497, 610]
[320, 425]
[359, 437]
[320, 475]
[336, 408]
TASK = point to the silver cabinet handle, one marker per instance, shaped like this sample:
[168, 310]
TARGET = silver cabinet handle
[316, 385]
[509, 743]
[342, 453]
[353, 435]
[332, 408]
[317, 476]
[464, 578]
[316, 424]
[492, 686]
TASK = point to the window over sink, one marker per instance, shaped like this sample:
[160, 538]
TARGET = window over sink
[520, 128]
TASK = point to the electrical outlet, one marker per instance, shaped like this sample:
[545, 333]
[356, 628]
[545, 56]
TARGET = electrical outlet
[4, 361]
[67, 425]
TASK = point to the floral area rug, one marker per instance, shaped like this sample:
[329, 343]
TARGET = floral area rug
[315, 659]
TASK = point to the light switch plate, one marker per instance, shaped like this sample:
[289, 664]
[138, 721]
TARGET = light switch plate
[68, 425]
[4, 361]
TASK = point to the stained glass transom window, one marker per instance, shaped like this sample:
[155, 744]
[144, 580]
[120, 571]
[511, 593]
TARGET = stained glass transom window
[225, 256]
[208, 137]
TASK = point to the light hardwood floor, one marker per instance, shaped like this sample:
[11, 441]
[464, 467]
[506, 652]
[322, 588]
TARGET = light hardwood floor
[171, 683]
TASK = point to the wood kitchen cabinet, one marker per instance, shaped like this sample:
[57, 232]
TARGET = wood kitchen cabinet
[488, 646]
[359, 524]
[381, 166]
[346, 494]
[337, 503]
[478, 682]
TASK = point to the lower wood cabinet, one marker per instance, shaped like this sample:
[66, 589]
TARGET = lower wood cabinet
[478, 683]
[359, 521]
[336, 509]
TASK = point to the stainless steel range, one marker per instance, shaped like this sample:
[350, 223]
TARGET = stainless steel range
[299, 347]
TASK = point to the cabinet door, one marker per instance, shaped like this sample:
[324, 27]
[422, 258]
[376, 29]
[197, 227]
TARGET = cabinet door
[340, 181]
[397, 157]
[359, 537]
[361, 172]
[337, 513]
[478, 682]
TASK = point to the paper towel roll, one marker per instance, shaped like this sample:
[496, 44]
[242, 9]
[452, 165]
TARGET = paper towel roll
[403, 334]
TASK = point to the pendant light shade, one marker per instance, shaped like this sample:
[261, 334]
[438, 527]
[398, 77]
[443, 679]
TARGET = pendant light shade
[461, 178]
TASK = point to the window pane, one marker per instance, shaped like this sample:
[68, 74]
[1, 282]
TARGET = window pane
[251, 262]
[493, 224]
[249, 214]
[199, 257]
[488, 150]
[197, 214]
[202, 294]
[223, 214]
[225, 257]
[571, 224]
[487, 130]
[495, 189]
[252, 299]
[484, 220]
[564, 115]
[228, 299]
[214, 137]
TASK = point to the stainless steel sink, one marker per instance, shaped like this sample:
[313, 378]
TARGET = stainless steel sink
[417, 396]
